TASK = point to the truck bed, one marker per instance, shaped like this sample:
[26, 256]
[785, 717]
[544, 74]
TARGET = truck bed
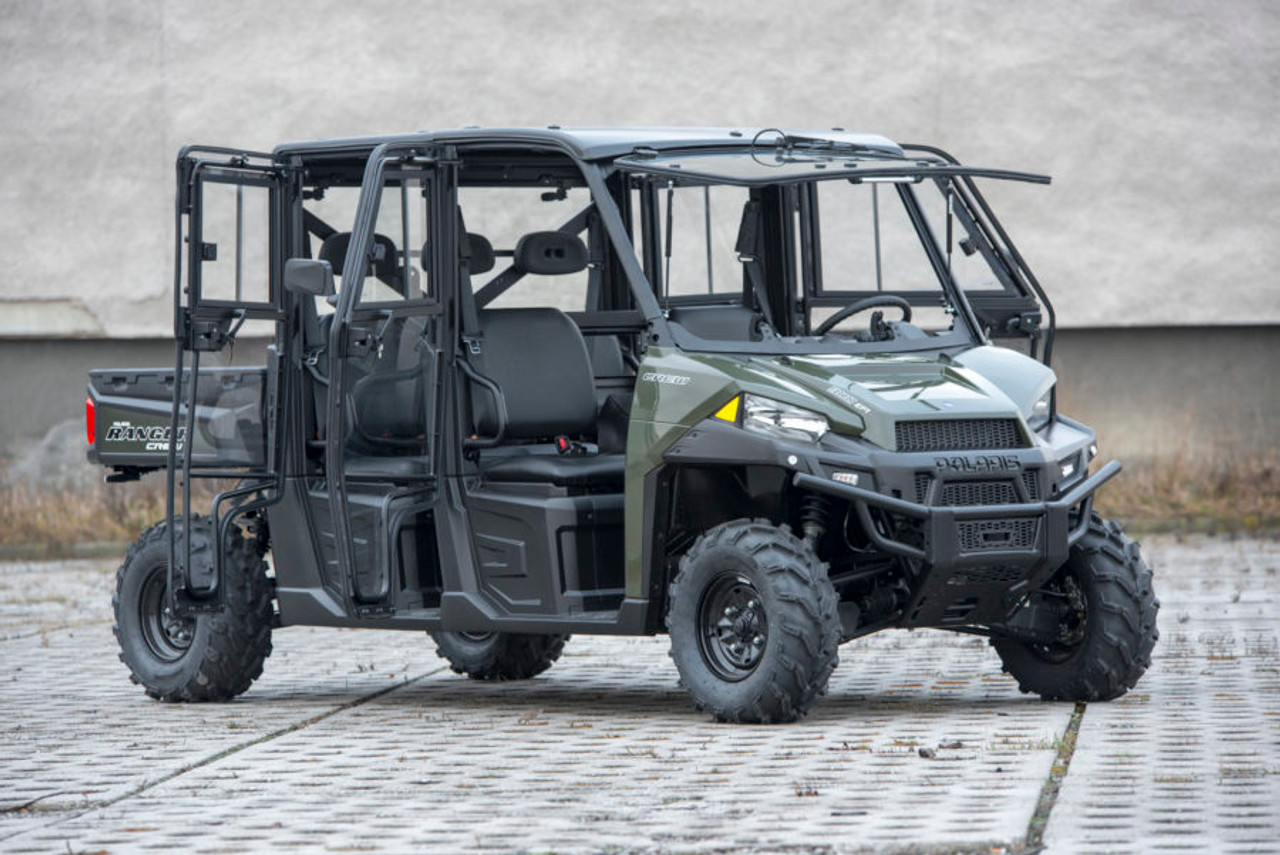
[130, 417]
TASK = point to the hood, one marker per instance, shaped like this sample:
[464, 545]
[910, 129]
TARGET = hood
[867, 394]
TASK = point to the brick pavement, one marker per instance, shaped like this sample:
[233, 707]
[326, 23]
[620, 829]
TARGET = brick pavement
[361, 741]
[1189, 761]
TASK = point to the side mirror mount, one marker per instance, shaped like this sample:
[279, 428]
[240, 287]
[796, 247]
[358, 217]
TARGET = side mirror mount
[308, 276]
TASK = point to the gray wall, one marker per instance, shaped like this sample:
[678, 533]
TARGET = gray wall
[1208, 395]
[1156, 119]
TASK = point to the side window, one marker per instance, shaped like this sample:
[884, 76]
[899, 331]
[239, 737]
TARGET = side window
[397, 272]
[232, 244]
[969, 269]
[334, 209]
[235, 229]
[699, 234]
[503, 215]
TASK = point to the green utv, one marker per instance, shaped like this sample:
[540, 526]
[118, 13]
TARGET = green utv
[737, 386]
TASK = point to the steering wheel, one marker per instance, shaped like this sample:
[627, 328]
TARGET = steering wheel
[861, 306]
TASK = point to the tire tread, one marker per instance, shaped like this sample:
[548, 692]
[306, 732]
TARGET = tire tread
[806, 623]
[1117, 648]
[237, 640]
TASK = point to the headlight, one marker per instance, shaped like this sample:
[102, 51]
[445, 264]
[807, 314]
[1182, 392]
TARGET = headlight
[773, 418]
[1040, 411]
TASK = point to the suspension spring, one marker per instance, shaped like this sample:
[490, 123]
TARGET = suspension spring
[813, 517]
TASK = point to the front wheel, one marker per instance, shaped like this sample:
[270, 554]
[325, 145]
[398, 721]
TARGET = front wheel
[1107, 624]
[205, 657]
[753, 623]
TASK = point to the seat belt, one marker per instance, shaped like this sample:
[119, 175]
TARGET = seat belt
[471, 335]
[471, 341]
[748, 247]
[757, 285]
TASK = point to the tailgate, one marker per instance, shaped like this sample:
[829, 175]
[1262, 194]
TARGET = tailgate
[131, 417]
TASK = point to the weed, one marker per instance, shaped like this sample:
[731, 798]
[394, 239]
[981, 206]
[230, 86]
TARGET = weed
[55, 521]
[1182, 492]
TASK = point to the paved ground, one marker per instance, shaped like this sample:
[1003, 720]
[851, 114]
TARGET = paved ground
[360, 741]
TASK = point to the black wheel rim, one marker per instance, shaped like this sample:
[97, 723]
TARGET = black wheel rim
[1071, 621]
[475, 637]
[167, 635]
[733, 629]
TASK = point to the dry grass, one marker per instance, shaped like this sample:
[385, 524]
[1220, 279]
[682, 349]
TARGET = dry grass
[58, 523]
[1180, 493]
[1162, 494]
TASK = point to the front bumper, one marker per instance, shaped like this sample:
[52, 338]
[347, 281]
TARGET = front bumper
[976, 562]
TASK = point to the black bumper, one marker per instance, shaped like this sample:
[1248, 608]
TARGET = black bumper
[968, 574]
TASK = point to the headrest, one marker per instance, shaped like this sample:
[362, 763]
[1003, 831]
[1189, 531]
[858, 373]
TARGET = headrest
[480, 251]
[550, 253]
[334, 251]
[475, 248]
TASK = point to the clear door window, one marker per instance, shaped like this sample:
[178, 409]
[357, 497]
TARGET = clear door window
[235, 232]
[398, 266]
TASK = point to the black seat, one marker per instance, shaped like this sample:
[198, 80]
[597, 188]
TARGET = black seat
[562, 470]
[539, 361]
[396, 469]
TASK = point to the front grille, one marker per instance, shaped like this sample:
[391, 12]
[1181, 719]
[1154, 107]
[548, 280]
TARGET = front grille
[997, 574]
[979, 493]
[981, 535]
[923, 480]
[1031, 481]
[958, 435]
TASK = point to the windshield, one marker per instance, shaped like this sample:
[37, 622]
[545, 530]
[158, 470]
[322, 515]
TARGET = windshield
[820, 266]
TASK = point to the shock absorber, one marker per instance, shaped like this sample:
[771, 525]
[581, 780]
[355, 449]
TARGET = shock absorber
[813, 517]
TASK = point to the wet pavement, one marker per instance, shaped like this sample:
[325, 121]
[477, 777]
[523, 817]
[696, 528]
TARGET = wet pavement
[361, 741]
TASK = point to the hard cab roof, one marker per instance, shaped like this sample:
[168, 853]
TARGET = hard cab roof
[595, 143]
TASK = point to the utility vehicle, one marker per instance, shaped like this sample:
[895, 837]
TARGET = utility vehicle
[764, 391]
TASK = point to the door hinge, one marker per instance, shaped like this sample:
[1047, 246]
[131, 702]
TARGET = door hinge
[206, 336]
[359, 342]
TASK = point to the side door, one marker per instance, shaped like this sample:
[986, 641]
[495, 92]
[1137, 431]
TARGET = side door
[228, 259]
[384, 403]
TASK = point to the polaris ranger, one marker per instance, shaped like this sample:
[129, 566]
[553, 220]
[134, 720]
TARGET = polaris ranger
[741, 387]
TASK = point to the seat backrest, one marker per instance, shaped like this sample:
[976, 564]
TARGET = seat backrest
[606, 356]
[386, 259]
[475, 249]
[723, 323]
[539, 360]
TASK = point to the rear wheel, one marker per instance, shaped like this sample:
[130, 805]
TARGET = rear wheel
[753, 623]
[498, 655]
[1107, 623]
[205, 657]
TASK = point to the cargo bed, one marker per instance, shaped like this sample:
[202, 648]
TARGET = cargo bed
[130, 411]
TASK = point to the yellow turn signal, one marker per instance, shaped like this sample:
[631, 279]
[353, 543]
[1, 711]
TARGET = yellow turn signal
[729, 412]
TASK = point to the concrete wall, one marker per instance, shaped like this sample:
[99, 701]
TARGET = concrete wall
[1156, 119]
[1207, 394]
